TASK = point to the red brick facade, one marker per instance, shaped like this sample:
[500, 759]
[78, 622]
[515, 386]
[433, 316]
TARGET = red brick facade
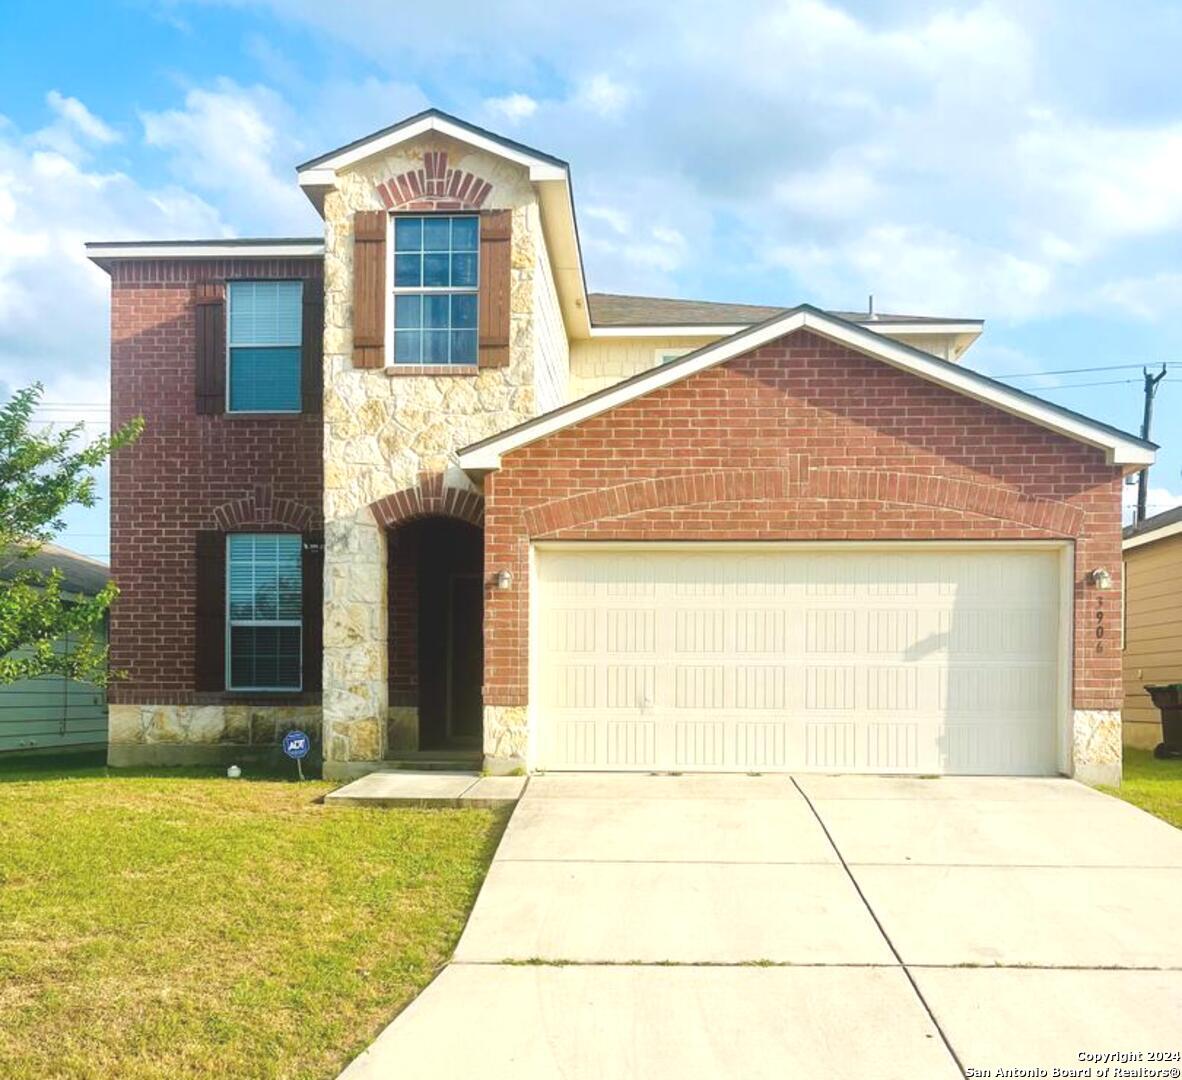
[804, 439]
[188, 472]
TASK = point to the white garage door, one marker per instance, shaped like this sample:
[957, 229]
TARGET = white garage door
[873, 659]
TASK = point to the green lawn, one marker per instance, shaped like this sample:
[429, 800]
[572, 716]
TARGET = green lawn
[173, 923]
[1153, 785]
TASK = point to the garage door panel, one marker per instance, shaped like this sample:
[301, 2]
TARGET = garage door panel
[901, 661]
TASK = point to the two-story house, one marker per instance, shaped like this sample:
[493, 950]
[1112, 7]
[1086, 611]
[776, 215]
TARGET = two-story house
[410, 486]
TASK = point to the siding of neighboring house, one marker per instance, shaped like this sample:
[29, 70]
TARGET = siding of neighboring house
[1153, 634]
[52, 711]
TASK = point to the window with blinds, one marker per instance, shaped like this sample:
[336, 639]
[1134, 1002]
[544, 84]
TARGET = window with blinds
[263, 339]
[264, 611]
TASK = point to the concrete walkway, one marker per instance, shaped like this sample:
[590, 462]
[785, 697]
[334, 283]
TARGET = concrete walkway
[406, 787]
[831, 927]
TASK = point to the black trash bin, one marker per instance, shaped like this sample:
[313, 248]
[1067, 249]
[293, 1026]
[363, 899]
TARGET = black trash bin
[1168, 699]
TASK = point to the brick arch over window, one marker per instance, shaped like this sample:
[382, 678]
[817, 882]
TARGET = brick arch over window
[798, 481]
[434, 187]
[259, 508]
[432, 496]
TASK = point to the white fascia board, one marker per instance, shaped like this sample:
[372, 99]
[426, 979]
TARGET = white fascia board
[1149, 537]
[1119, 451]
[324, 172]
[212, 250]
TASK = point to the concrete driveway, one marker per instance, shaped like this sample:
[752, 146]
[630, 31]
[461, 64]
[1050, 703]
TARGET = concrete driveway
[832, 927]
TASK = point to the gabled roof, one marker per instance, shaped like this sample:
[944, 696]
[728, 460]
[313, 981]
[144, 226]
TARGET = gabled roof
[1158, 527]
[613, 309]
[80, 573]
[1120, 447]
[546, 166]
[549, 175]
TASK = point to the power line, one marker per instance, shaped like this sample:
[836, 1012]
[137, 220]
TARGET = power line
[1076, 371]
[1076, 385]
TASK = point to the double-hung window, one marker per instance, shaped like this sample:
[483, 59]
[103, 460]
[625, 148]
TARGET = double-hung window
[264, 611]
[264, 341]
[436, 265]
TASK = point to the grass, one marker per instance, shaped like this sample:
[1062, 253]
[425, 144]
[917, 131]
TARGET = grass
[1153, 785]
[172, 923]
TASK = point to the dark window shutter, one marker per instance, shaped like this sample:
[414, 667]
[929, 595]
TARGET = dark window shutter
[312, 355]
[210, 663]
[369, 288]
[313, 572]
[496, 233]
[209, 306]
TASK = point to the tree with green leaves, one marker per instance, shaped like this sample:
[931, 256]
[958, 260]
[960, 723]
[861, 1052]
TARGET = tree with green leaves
[43, 472]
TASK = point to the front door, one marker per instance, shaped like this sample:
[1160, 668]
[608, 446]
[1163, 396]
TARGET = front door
[465, 658]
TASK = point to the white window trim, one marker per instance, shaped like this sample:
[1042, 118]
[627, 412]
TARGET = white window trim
[232, 622]
[393, 290]
[230, 347]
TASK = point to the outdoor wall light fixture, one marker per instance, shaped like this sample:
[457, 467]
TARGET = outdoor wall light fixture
[1101, 578]
[502, 579]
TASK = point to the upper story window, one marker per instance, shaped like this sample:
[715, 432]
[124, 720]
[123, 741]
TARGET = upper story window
[264, 611]
[264, 339]
[436, 266]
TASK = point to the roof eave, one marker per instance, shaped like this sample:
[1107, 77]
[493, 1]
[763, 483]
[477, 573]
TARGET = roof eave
[1119, 448]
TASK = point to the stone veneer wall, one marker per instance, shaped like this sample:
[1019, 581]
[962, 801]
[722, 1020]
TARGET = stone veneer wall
[382, 430]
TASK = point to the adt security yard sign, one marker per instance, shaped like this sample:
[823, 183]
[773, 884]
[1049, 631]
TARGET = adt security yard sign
[296, 744]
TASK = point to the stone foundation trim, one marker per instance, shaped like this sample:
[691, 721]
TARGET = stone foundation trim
[1096, 746]
[434, 496]
[506, 739]
[233, 726]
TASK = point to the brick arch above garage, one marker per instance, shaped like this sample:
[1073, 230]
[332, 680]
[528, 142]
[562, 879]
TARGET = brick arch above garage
[801, 439]
[733, 490]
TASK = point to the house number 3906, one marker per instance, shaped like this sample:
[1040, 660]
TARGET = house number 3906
[1099, 626]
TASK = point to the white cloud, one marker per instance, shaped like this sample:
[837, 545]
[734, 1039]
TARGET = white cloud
[512, 107]
[603, 95]
[76, 114]
[1154, 296]
[230, 141]
[912, 269]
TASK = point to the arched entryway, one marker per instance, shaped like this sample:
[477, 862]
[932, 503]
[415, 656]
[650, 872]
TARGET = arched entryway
[436, 612]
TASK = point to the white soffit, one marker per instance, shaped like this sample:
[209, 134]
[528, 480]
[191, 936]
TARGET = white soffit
[1120, 449]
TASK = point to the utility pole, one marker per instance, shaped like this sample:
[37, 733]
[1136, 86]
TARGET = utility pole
[1151, 382]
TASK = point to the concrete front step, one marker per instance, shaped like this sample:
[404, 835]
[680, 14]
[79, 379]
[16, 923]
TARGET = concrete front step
[402, 787]
[436, 761]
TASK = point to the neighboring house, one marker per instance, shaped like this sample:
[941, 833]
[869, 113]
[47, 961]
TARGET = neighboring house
[1152, 620]
[53, 712]
[409, 485]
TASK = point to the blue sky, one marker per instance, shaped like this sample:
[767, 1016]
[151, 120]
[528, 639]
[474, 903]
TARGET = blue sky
[1019, 162]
